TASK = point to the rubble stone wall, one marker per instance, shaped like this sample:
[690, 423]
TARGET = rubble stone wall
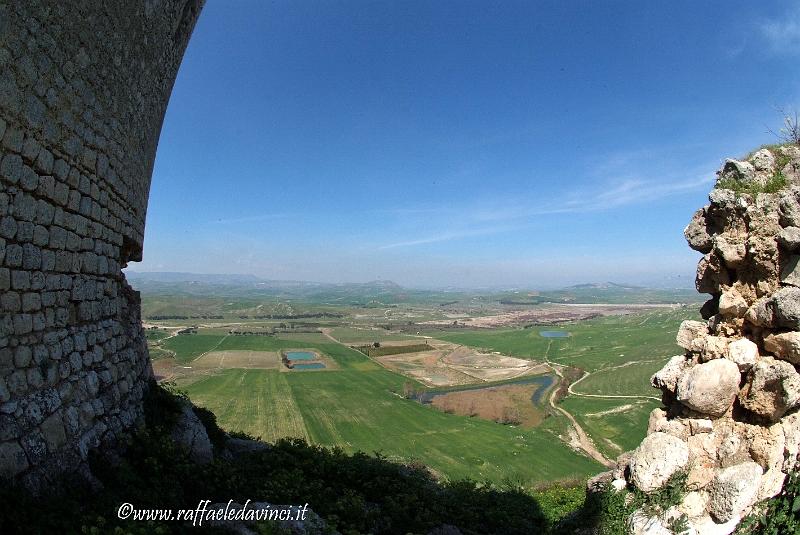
[83, 90]
[730, 421]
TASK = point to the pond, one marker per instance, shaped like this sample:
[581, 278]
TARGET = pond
[300, 355]
[554, 334]
[309, 366]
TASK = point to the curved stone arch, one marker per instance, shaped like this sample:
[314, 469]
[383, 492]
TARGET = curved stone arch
[84, 87]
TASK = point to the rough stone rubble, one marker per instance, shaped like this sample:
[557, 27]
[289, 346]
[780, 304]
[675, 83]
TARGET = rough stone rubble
[730, 421]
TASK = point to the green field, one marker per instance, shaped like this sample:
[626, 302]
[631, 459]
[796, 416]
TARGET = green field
[356, 408]
[625, 428]
[594, 344]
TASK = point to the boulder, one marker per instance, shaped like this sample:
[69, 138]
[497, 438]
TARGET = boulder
[710, 388]
[736, 170]
[689, 331]
[711, 275]
[667, 377]
[786, 303]
[789, 207]
[732, 304]
[715, 347]
[743, 353]
[789, 238]
[773, 387]
[790, 274]
[761, 313]
[732, 251]
[657, 458]
[190, 434]
[763, 160]
[696, 233]
[733, 490]
[785, 346]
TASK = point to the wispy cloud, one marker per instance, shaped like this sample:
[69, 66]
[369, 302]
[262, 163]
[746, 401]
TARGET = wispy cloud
[248, 219]
[783, 34]
[506, 215]
[449, 236]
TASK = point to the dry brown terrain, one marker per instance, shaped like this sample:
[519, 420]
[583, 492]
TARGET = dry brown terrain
[546, 315]
[505, 404]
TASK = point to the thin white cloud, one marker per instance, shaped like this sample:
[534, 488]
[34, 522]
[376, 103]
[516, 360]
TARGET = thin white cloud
[248, 219]
[783, 34]
[611, 195]
[447, 236]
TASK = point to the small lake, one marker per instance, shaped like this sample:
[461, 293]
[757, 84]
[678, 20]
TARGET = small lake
[554, 334]
[309, 366]
[300, 355]
[543, 382]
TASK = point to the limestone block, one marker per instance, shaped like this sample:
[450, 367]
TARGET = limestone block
[734, 489]
[657, 458]
[711, 387]
[772, 388]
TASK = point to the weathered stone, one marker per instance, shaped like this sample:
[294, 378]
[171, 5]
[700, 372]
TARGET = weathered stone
[190, 434]
[763, 160]
[743, 353]
[715, 347]
[689, 332]
[732, 304]
[791, 271]
[786, 303]
[711, 387]
[762, 313]
[736, 170]
[657, 458]
[730, 251]
[667, 377]
[734, 489]
[789, 237]
[12, 459]
[785, 346]
[773, 387]
[697, 234]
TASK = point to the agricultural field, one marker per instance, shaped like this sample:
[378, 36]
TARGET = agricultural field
[485, 403]
[358, 407]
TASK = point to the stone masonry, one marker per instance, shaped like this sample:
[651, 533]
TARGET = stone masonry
[730, 421]
[83, 90]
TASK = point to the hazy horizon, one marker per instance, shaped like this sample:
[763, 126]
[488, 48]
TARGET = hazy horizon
[460, 145]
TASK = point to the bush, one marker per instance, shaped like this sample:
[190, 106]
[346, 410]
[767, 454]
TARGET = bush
[778, 516]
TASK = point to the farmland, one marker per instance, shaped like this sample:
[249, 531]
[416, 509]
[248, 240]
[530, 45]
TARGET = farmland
[489, 419]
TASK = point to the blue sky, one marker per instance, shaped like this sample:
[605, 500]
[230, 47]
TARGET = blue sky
[460, 143]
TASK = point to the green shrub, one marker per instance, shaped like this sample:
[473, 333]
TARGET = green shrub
[776, 183]
[778, 516]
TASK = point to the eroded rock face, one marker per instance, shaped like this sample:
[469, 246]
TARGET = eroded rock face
[190, 434]
[772, 389]
[733, 490]
[732, 421]
[710, 387]
[657, 458]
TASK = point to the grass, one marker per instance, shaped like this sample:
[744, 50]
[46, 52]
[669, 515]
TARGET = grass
[358, 406]
[190, 346]
[776, 183]
[625, 428]
[355, 408]
[593, 344]
[626, 380]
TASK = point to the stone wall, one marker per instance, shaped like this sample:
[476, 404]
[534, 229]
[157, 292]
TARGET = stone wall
[83, 90]
[730, 422]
